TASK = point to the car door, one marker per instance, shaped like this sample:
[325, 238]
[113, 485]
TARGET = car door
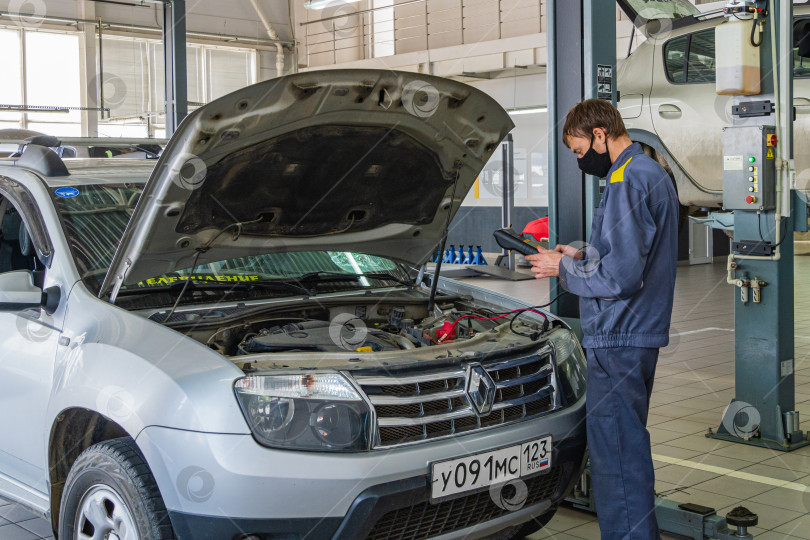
[28, 342]
[687, 114]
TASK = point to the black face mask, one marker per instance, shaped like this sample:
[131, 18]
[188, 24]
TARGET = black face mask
[595, 163]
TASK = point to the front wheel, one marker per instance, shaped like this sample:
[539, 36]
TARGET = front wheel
[110, 494]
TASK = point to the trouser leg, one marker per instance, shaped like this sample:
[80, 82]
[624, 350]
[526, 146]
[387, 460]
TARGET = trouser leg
[619, 388]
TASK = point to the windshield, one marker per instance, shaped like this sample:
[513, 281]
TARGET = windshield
[311, 265]
[648, 10]
[94, 218]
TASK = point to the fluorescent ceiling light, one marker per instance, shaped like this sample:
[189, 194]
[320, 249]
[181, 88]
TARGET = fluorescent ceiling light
[527, 110]
[320, 4]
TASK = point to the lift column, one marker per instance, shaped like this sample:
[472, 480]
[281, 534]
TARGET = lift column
[757, 189]
[581, 65]
[174, 58]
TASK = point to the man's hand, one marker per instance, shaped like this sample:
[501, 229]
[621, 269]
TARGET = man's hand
[546, 263]
[568, 251]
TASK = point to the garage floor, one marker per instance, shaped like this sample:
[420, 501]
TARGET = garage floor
[694, 383]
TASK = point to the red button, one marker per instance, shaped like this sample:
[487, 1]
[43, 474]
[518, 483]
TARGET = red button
[750, 199]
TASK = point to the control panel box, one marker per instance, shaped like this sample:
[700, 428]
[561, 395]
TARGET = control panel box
[749, 168]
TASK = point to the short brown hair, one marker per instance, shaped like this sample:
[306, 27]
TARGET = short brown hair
[590, 114]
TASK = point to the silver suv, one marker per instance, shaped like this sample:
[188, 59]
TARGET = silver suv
[668, 99]
[237, 341]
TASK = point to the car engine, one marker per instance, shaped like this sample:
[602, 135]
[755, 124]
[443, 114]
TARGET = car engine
[358, 328]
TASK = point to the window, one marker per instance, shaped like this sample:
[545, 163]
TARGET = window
[134, 81]
[691, 58]
[801, 50]
[49, 57]
[383, 30]
[701, 66]
[231, 71]
[675, 59]
[12, 255]
[11, 88]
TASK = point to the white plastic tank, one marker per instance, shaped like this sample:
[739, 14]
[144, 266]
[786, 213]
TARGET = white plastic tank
[738, 67]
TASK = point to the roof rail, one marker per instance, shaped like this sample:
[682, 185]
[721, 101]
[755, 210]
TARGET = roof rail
[42, 160]
[48, 141]
[111, 142]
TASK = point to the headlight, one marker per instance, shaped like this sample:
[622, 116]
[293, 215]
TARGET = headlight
[311, 411]
[571, 364]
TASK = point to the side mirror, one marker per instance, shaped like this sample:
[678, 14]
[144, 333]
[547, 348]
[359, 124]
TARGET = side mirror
[18, 292]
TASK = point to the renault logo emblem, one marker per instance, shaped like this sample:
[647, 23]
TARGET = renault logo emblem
[480, 389]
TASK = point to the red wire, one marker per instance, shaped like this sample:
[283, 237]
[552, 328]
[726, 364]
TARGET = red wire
[496, 318]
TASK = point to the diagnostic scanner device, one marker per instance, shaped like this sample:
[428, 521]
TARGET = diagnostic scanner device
[509, 239]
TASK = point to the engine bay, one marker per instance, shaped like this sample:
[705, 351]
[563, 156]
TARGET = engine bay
[380, 327]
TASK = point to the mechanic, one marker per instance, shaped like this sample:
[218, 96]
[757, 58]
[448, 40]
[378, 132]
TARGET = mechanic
[625, 280]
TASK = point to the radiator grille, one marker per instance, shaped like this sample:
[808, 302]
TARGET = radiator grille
[426, 520]
[418, 406]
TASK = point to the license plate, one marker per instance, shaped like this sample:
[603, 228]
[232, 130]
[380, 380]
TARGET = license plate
[488, 468]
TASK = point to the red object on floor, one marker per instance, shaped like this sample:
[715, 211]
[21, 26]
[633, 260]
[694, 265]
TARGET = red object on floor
[537, 228]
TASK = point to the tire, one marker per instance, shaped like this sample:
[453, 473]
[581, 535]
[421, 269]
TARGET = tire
[683, 216]
[111, 487]
[523, 530]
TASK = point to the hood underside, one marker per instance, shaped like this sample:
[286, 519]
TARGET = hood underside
[340, 160]
[387, 177]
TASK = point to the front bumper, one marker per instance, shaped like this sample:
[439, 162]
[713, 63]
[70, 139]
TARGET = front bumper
[224, 487]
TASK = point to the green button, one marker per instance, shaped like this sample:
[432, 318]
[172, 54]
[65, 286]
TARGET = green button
[752, 159]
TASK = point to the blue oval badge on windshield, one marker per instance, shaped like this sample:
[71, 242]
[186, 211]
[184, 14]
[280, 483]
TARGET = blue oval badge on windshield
[66, 192]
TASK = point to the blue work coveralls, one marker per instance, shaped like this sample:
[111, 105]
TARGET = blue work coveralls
[626, 285]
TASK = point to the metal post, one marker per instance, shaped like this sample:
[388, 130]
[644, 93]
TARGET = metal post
[23, 78]
[100, 78]
[579, 42]
[599, 69]
[427, 31]
[88, 66]
[499, 20]
[565, 206]
[508, 193]
[461, 12]
[174, 57]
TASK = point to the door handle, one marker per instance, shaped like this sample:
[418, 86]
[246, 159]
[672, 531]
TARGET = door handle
[802, 105]
[669, 111]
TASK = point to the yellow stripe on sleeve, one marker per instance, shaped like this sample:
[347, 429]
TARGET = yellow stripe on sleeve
[618, 174]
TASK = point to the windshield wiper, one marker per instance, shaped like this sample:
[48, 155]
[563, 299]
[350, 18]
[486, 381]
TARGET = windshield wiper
[220, 286]
[391, 277]
[324, 277]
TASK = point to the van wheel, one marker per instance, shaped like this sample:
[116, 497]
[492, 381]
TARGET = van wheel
[110, 494]
[685, 211]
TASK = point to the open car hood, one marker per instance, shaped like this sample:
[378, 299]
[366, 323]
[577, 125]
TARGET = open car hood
[339, 160]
